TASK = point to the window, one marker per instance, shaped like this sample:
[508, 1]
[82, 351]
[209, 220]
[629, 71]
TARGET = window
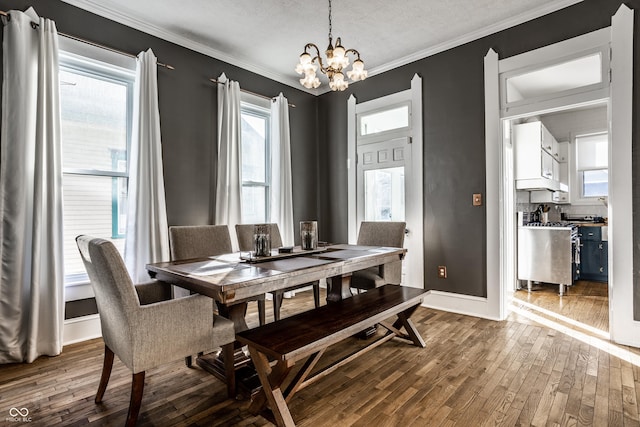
[256, 163]
[592, 165]
[95, 109]
[384, 194]
[383, 121]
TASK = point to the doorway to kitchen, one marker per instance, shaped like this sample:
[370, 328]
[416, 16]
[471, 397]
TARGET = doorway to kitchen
[549, 108]
[501, 219]
[562, 229]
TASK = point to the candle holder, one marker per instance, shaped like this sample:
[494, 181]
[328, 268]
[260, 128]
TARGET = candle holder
[309, 235]
[261, 240]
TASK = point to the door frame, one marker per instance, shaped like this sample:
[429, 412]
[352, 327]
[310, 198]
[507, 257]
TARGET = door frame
[622, 326]
[414, 207]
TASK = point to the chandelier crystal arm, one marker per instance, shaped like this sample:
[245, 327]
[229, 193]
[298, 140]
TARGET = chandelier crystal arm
[355, 52]
[317, 57]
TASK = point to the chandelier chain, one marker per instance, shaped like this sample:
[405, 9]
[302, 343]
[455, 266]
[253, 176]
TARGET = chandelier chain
[329, 19]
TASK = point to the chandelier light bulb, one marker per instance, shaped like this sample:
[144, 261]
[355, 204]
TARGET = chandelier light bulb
[357, 71]
[305, 59]
[337, 82]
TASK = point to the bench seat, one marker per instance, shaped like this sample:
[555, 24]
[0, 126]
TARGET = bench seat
[307, 335]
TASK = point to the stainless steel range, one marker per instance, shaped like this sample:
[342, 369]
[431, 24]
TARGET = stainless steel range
[549, 253]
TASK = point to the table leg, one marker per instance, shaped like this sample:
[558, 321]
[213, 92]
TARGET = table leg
[339, 288]
[214, 363]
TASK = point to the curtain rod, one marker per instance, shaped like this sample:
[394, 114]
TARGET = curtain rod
[252, 93]
[89, 42]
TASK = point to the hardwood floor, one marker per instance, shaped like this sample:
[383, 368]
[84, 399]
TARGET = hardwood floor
[473, 372]
[584, 306]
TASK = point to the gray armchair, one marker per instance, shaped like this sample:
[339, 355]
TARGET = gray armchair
[143, 326]
[197, 241]
[380, 233]
[244, 232]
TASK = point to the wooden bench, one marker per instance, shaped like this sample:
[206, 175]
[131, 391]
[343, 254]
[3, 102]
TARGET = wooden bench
[309, 334]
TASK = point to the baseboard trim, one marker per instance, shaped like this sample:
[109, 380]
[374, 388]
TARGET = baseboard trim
[458, 303]
[81, 329]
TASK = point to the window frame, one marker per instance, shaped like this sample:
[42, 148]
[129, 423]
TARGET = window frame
[256, 107]
[93, 62]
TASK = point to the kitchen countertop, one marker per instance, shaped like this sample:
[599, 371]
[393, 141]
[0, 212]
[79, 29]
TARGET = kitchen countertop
[589, 224]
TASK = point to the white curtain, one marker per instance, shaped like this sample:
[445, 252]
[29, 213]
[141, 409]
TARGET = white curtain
[147, 230]
[31, 273]
[281, 198]
[229, 168]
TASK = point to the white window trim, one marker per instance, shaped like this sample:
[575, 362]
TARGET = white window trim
[74, 54]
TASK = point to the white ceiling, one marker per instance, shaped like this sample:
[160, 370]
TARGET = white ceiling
[267, 36]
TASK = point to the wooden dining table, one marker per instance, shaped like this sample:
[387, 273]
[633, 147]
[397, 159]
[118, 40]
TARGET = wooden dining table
[233, 279]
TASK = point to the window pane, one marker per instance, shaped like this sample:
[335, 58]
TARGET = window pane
[394, 118]
[254, 148]
[93, 205]
[384, 194]
[556, 78]
[595, 183]
[94, 122]
[254, 205]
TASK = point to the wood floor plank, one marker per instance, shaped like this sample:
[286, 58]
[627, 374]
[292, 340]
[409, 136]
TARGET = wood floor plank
[472, 372]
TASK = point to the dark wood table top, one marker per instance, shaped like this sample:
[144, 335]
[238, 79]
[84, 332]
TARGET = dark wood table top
[227, 278]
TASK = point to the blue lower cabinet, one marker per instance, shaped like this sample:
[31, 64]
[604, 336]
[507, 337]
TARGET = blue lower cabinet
[594, 259]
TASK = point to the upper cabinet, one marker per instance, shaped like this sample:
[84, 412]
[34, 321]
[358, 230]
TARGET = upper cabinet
[537, 155]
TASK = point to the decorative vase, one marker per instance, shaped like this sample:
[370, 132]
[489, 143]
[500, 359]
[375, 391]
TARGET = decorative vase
[309, 235]
[261, 240]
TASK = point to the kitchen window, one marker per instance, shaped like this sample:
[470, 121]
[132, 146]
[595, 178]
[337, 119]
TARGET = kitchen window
[96, 103]
[592, 166]
[256, 162]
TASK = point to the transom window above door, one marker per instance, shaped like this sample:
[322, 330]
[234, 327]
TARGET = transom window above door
[388, 119]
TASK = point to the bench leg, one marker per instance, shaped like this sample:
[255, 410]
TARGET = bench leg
[271, 393]
[409, 327]
[412, 331]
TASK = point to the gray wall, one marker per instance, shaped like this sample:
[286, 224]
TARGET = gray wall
[454, 155]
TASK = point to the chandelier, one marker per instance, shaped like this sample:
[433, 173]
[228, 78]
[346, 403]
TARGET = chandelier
[337, 60]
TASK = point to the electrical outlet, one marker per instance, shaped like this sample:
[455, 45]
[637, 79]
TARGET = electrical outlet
[442, 271]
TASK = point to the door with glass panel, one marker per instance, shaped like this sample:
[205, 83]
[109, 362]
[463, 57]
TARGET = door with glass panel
[386, 176]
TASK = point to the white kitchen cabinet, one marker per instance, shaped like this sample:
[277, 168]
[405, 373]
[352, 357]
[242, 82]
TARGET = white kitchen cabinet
[561, 172]
[536, 155]
[548, 142]
[563, 150]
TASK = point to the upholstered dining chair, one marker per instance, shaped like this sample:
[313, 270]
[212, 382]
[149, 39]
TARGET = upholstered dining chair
[143, 326]
[380, 233]
[244, 232]
[197, 241]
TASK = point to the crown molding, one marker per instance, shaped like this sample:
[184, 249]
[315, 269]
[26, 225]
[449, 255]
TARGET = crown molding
[114, 15]
[475, 35]
[96, 7]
